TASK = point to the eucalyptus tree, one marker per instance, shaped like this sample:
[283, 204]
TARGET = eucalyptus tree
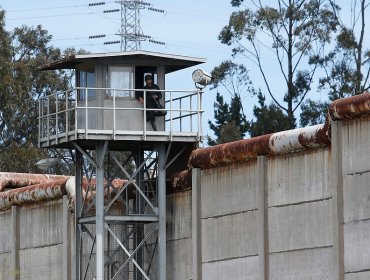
[230, 120]
[295, 32]
[22, 51]
[348, 65]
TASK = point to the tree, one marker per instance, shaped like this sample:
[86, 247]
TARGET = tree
[20, 158]
[295, 31]
[269, 119]
[233, 78]
[348, 66]
[230, 121]
[313, 112]
[21, 84]
[229, 132]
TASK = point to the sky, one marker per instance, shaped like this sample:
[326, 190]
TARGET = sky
[187, 27]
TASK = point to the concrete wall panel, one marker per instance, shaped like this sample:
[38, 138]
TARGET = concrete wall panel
[356, 193]
[356, 146]
[239, 268]
[5, 268]
[41, 225]
[228, 189]
[299, 177]
[41, 263]
[306, 264]
[357, 246]
[307, 225]
[230, 236]
[179, 216]
[358, 276]
[5, 230]
[179, 259]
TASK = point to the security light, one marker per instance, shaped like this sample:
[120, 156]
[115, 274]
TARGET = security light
[201, 79]
[46, 163]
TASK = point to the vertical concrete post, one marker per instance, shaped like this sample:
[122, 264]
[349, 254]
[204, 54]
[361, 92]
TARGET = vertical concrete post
[78, 230]
[15, 273]
[337, 198]
[196, 223]
[262, 218]
[66, 240]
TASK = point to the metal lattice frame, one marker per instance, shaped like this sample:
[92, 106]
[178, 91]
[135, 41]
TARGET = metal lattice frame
[131, 32]
[118, 226]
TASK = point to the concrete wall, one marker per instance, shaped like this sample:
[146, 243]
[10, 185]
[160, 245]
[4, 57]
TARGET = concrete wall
[356, 198]
[36, 242]
[229, 230]
[300, 224]
[179, 248]
[303, 215]
[6, 267]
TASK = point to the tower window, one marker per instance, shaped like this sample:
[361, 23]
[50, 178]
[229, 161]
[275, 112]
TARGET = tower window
[86, 83]
[121, 81]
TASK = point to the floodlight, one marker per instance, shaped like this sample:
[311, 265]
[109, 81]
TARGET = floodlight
[201, 78]
[46, 163]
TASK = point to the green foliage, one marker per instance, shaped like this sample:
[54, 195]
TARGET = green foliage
[313, 112]
[229, 132]
[294, 31]
[233, 78]
[230, 124]
[230, 121]
[346, 39]
[221, 110]
[236, 3]
[125, 160]
[348, 65]
[20, 158]
[341, 77]
[269, 119]
[23, 50]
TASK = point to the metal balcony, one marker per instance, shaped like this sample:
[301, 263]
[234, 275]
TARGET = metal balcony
[115, 114]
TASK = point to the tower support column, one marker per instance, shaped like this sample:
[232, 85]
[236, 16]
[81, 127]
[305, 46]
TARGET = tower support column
[100, 151]
[162, 212]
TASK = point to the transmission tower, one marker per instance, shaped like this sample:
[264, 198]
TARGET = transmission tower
[131, 34]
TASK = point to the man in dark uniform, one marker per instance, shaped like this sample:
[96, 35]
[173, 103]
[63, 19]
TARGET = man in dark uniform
[152, 100]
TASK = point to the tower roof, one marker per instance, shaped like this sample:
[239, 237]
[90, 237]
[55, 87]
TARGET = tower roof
[171, 62]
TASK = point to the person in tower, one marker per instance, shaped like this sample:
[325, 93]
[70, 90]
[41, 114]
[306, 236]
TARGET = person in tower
[152, 100]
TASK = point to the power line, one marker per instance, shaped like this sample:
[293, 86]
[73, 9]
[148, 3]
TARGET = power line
[53, 8]
[100, 13]
[171, 10]
[50, 16]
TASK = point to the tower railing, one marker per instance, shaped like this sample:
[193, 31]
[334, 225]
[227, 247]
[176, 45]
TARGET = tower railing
[87, 112]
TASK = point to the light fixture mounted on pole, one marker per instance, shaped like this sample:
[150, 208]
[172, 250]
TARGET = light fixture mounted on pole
[201, 78]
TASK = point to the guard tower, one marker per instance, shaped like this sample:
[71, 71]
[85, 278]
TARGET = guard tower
[120, 162]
